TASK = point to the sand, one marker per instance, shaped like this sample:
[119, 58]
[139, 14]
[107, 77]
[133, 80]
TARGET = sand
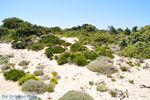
[77, 78]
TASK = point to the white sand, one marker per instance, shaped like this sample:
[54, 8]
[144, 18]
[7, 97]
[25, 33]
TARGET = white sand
[74, 77]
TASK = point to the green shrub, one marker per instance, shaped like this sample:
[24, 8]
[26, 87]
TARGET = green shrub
[63, 58]
[121, 76]
[24, 63]
[27, 77]
[50, 87]
[113, 93]
[90, 55]
[101, 88]
[78, 47]
[104, 51]
[36, 47]
[54, 73]
[56, 57]
[79, 59]
[131, 81]
[102, 65]
[48, 53]
[34, 86]
[54, 80]
[91, 83]
[5, 67]
[113, 80]
[50, 39]
[109, 76]
[76, 95]
[14, 74]
[18, 45]
[39, 72]
[124, 68]
[56, 49]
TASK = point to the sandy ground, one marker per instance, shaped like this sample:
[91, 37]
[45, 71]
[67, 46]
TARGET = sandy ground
[74, 77]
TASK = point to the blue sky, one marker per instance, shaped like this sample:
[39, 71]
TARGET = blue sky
[68, 13]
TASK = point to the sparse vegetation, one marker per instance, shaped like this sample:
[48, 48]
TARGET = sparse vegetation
[113, 80]
[113, 93]
[102, 88]
[91, 83]
[102, 65]
[14, 74]
[39, 72]
[76, 95]
[5, 67]
[24, 63]
[54, 80]
[109, 76]
[124, 68]
[27, 77]
[131, 81]
[34, 86]
[54, 73]
[130, 63]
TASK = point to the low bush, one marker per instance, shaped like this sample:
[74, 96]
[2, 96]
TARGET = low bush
[45, 77]
[56, 49]
[64, 58]
[76, 95]
[4, 59]
[78, 47]
[131, 81]
[36, 47]
[101, 88]
[79, 59]
[54, 73]
[5, 67]
[48, 53]
[14, 74]
[50, 87]
[9, 56]
[54, 80]
[109, 76]
[104, 51]
[50, 39]
[24, 63]
[102, 65]
[124, 68]
[58, 77]
[40, 67]
[34, 86]
[39, 72]
[27, 77]
[35, 98]
[113, 93]
[113, 79]
[91, 55]
[91, 83]
[18, 45]
[121, 76]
